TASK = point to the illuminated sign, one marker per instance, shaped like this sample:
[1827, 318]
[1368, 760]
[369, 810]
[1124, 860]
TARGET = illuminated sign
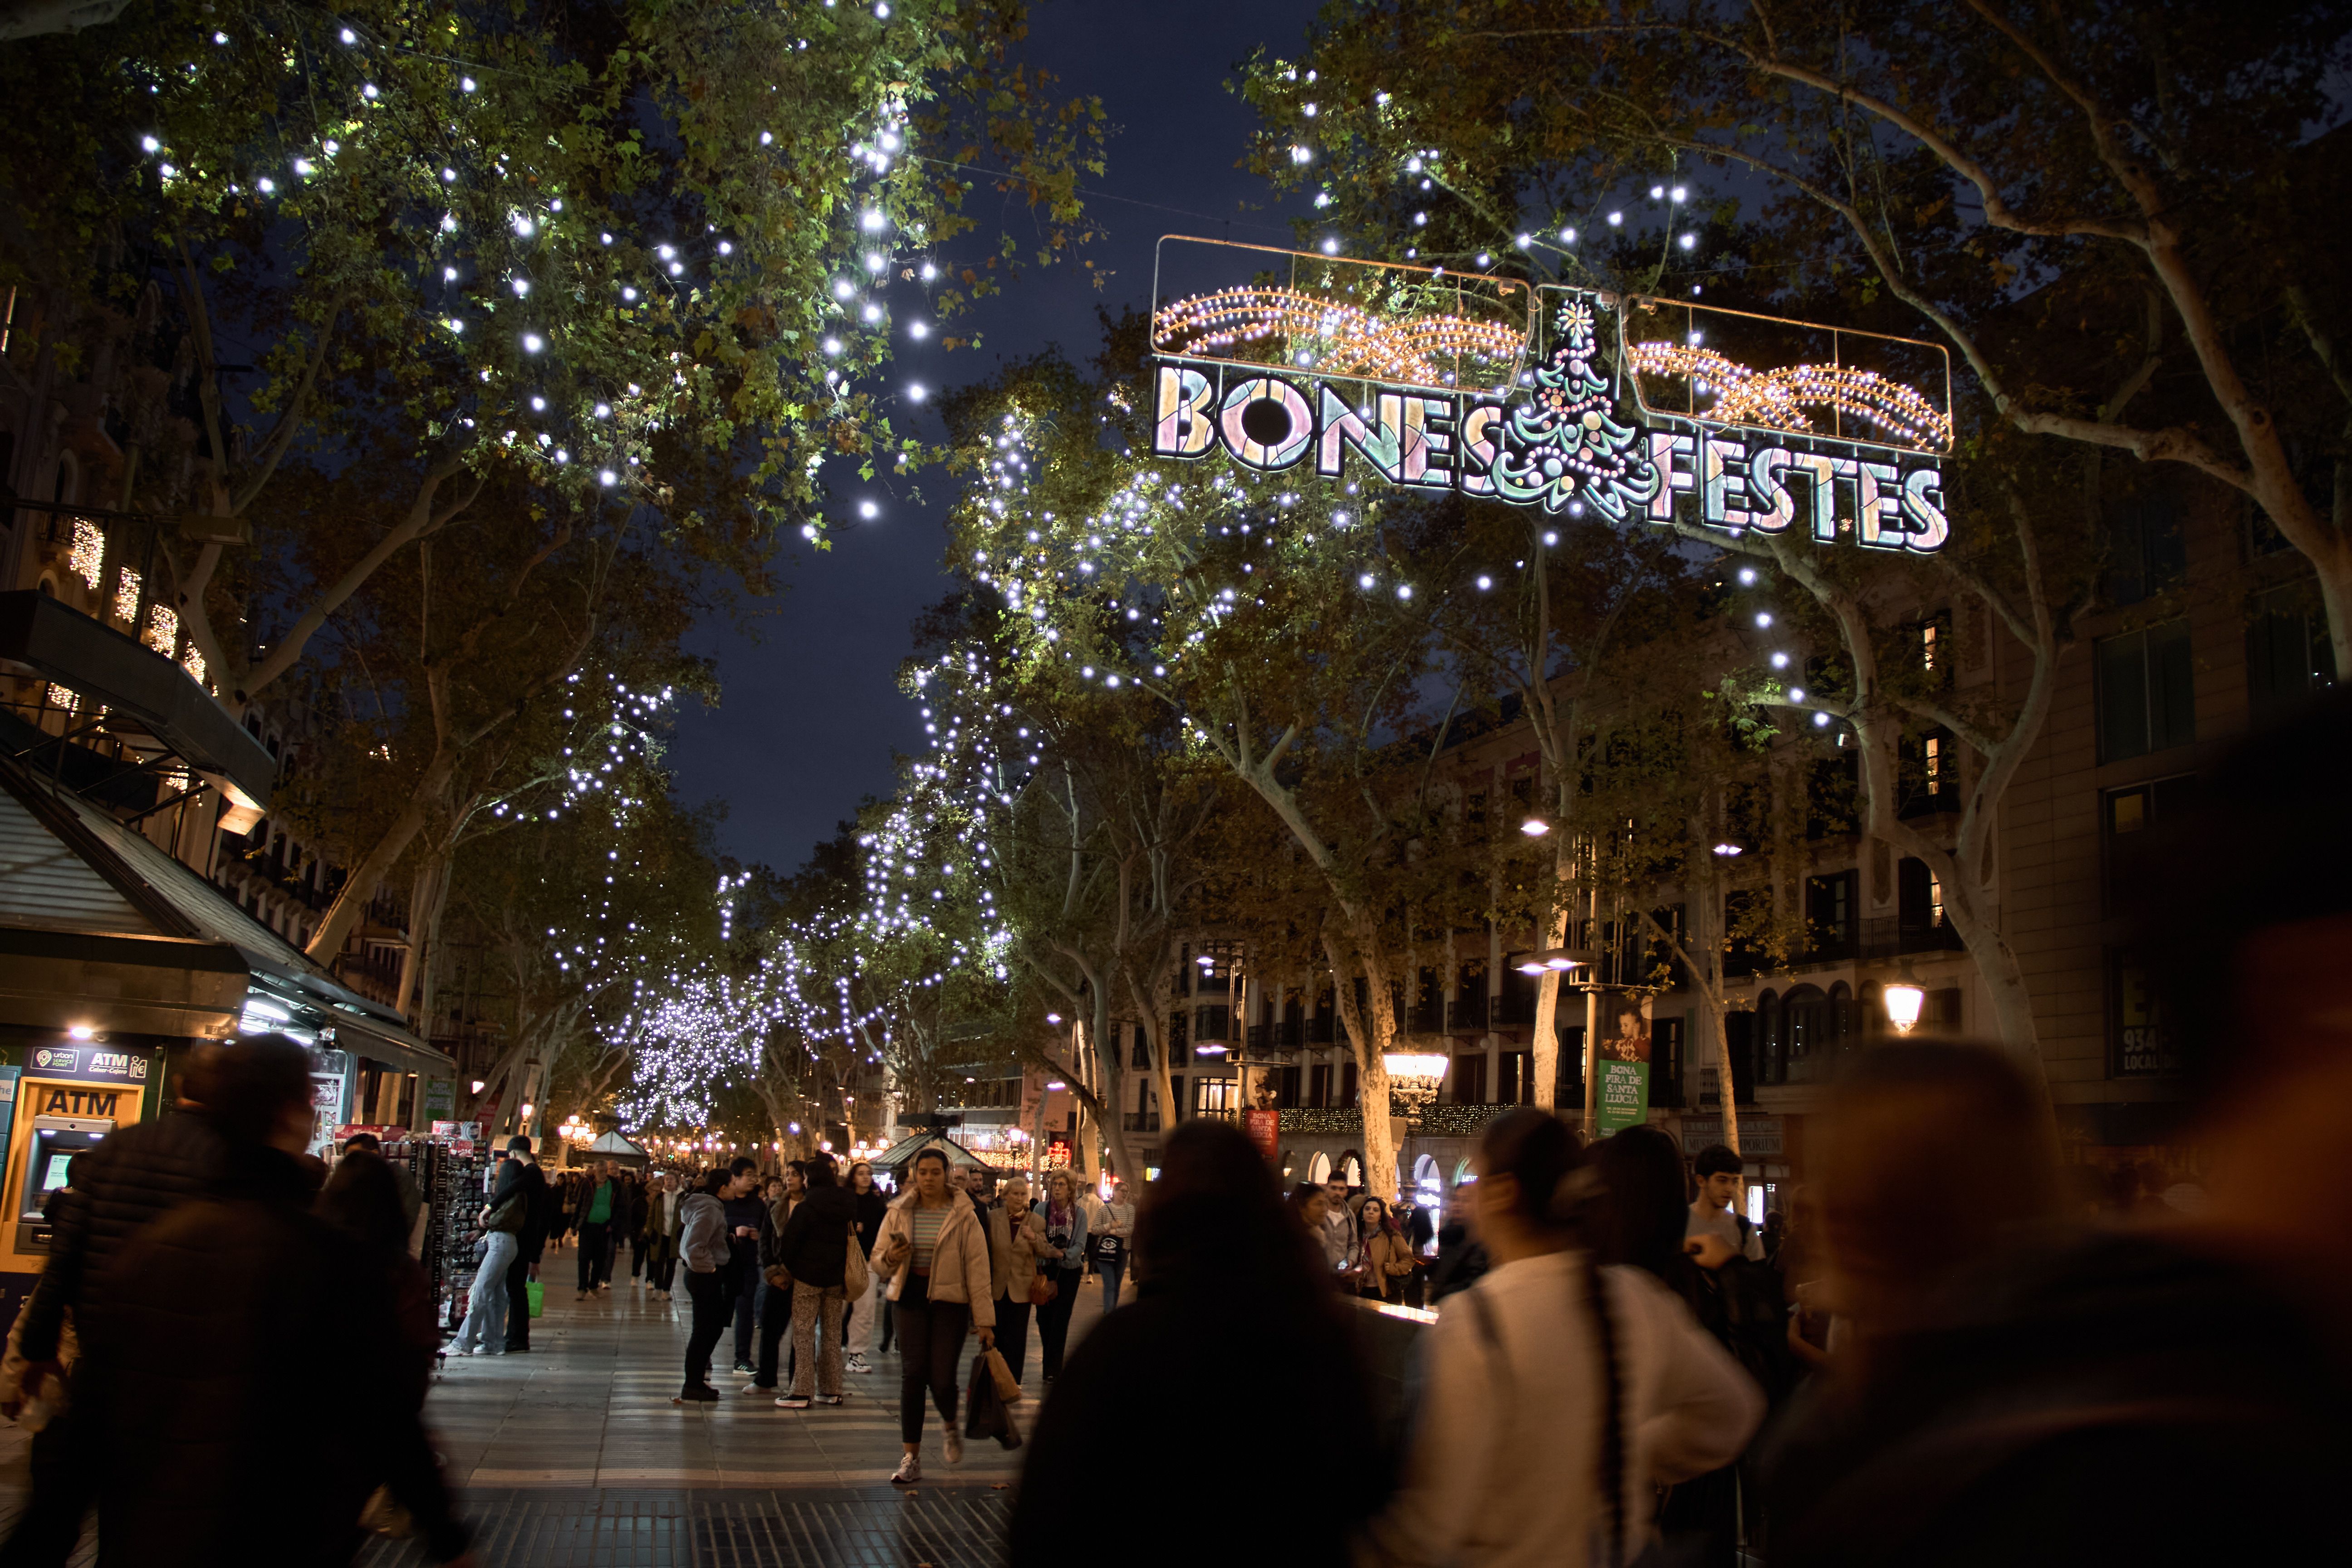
[97, 1064]
[1495, 389]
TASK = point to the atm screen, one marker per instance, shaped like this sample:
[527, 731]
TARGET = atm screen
[60, 1162]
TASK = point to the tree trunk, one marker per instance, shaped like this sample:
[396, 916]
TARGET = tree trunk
[1544, 1047]
[352, 898]
[1370, 1037]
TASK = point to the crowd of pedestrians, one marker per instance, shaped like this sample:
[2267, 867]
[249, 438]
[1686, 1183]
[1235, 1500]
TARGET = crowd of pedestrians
[1944, 1350]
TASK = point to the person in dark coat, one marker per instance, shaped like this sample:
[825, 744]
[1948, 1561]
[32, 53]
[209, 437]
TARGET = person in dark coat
[1230, 1295]
[815, 1249]
[240, 1355]
[748, 1226]
[363, 1199]
[116, 1190]
[538, 1208]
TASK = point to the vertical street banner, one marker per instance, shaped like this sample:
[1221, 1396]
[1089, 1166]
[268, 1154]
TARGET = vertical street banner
[1623, 1058]
[1265, 1129]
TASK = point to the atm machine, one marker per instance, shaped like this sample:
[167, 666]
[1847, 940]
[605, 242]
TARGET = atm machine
[70, 1095]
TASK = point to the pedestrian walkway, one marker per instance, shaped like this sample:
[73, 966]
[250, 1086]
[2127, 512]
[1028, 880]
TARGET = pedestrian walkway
[590, 1408]
[574, 1455]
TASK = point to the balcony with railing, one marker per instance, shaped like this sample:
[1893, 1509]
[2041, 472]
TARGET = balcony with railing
[1286, 1036]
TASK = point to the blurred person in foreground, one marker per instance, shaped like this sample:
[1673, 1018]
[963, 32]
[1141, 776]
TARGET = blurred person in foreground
[363, 1199]
[1235, 1311]
[1641, 1218]
[2156, 1395]
[228, 1342]
[1561, 1394]
[134, 1176]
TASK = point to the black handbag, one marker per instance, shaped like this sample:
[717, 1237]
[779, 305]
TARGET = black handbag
[985, 1412]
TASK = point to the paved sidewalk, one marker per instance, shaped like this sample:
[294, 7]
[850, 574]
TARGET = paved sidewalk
[574, 1455]
[590, 1406]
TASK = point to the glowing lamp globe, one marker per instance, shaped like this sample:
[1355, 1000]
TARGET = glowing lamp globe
[1411, 1070]
[1903, 1004]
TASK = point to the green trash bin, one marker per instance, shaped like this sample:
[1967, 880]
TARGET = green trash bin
[538, 1294]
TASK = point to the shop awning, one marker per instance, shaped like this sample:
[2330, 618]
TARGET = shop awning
[99, 928]
[102, 665]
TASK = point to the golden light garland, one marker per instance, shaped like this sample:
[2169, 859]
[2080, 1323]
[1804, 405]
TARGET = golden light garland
[1353, 342]
[87, 559]
[1779, 398]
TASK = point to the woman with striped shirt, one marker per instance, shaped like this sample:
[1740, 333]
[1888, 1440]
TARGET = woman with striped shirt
[932, 1250]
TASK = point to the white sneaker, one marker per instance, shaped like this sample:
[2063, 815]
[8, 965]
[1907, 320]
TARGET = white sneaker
[856, 1363]
[909, 1471]
[955, 1446]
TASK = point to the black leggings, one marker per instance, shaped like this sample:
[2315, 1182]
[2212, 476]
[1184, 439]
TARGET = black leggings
[930, 1347]
[711, 1299]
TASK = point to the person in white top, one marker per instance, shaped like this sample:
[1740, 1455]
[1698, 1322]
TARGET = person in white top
[1547, 1426]
[1716, 1211]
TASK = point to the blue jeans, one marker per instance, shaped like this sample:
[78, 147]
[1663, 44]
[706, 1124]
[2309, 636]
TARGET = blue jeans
[1111, 1275]
[486, 1312]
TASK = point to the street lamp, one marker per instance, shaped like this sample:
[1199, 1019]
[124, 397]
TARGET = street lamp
[1562, 959]
[1413, 1078]
[1535, 827]
[1904, 998]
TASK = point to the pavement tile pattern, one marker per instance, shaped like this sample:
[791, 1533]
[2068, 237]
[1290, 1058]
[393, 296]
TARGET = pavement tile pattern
[571, 1454]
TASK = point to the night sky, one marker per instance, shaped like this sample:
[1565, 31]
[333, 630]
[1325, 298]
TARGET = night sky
[811, 714]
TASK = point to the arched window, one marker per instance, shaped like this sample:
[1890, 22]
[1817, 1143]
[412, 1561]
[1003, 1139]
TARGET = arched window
[1771, 1044]
[1840, 1031]
[1318, 1169]
[1425, 1172]
[1806, 1020]
[1869, 1011]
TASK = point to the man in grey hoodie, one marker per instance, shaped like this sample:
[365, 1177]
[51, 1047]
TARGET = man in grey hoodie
[703, 1245]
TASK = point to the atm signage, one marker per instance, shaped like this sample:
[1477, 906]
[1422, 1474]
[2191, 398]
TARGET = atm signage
[99, 1102]
[94, 1064]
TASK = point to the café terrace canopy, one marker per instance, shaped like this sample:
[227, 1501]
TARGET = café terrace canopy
[100, 928]
[899, 1155]
[613, 1146]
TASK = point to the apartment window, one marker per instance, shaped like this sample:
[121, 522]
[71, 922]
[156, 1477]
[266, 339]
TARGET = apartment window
[1470, 1079]
[1515, 1077]
[1213, 1023]
[2127, 816]
[1142, 1055]
[2288, 656]
[1214, 1097]
[1918, 896]
[1829, 801]
[2145, 552]
[1666, 1061]
[2148, 698]
[1346, 1083]
[1930, 773]
[1286, 1088]
[1829, 915]
[1318, 1086]
[1935, 659]
[1743, 909]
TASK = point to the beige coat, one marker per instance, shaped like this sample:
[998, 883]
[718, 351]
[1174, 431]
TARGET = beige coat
[1013, 1255]
[959, 1264]
[1387, 1257]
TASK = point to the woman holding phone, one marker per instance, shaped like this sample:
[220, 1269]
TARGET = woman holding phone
[933, 1252]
